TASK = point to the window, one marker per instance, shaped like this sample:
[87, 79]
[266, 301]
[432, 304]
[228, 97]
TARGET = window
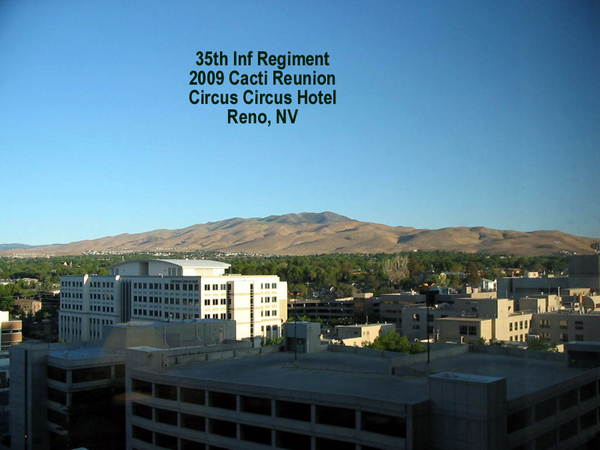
[510, 326]
[207, 287]
[545, 323]
[462, 329]
[564, 324]
[579, 324]
[215, 287]
[472, 331]
[564, 337]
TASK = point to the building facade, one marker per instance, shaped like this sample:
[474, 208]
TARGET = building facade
[167, 290]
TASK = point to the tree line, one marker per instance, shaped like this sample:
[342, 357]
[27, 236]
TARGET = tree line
[332, 275]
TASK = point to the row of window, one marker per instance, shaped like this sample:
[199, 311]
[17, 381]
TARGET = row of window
[104, 309]
[305, 412]
[222, 316]
[216, 301]
[64, 295]
[71, 284]
[546, 409]
[470, 330]
[102, 296]
[165, 314]
[167, 300]
[216, 287]
[563, 324]
[72, 307]
[521, 325]
[102, 284]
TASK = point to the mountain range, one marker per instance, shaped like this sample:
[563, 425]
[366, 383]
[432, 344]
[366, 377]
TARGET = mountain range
[318, 233]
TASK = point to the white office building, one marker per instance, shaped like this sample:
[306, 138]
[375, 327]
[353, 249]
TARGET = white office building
[171, 290]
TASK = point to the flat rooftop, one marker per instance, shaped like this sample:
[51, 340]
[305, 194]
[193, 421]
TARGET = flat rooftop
[358, 375]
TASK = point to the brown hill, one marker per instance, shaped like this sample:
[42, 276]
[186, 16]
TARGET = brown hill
[316, 233]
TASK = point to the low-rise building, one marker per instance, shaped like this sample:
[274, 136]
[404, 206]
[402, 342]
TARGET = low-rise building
[28, 305]
[358, 334]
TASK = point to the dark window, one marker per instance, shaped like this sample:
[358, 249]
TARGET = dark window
[141, 386]
[545, 409]
[195, 396]
[256, 434]
[142, 434]
[57, 418]
[588, 419]
[256, 405]
[587, 391]
[83, 399]
[328, 444]
[193, 422]
[384, 424]
[222, 400]
[120, 371]
[546, 440]
[568, 399]
[293, 441]
[568, 430]
[517, 420]
[137, 409]
[293, 410]
[57, 374]
[165, 391]
[191, 445]
[166, 441]
[54, 395]
[339, 417]
[91, 374]
[165, 416]
[223, 428]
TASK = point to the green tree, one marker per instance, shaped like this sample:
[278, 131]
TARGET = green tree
[393, 342]
[6, 299]
[540, 345]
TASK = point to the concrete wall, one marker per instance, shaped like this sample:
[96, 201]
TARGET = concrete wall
[28, 396]
[468, 411]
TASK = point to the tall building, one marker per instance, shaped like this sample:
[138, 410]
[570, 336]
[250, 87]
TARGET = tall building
[171, 290]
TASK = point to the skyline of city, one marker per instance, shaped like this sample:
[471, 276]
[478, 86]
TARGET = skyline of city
[447, 114]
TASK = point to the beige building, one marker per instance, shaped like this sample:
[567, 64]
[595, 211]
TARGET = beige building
[357, 334]
[567, 326]
[28, 305]
[484, 319]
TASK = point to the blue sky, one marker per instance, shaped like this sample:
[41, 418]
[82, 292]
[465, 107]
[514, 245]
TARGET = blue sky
[448, 113]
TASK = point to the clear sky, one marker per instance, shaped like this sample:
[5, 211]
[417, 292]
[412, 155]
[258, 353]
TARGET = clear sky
[448, 113]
